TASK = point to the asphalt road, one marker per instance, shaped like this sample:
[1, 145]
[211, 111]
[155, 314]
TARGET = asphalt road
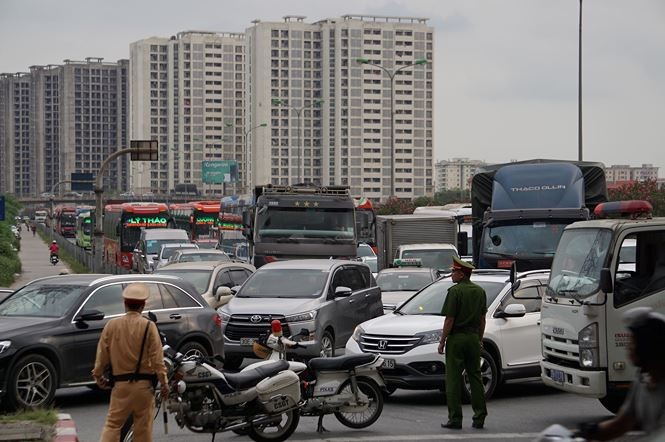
[517, 412]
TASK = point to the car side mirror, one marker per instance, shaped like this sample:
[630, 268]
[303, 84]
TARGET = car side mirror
[222, 291]
[606, 284]
[343, 292]
[89, 315]
[512, 311]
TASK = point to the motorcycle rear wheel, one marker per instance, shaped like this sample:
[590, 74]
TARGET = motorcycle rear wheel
[276, 433]
[371, 414]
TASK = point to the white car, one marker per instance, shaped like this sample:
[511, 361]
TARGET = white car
[400, 283]
[167, 250]
[408, 338]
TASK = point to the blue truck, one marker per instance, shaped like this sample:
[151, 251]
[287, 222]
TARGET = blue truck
[520, 209]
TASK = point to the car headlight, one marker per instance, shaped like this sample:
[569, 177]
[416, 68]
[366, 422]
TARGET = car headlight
[430, 337]
[587, 358]
[225, 316]
[4, 346]
[301, 317]
[357, 333]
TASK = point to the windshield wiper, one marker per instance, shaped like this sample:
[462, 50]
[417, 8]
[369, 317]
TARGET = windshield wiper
[572, 293]
[398, 312]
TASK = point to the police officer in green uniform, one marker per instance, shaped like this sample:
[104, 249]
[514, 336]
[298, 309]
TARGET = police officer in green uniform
[464, 309]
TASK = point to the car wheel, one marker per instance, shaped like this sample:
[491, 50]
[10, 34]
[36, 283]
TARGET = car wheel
[193, 348]
[32, 383]
[232, 362]
[327, 345]
[489, 375]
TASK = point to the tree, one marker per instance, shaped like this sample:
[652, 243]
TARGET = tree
[641, 190]
[450, 196]
[396, 206]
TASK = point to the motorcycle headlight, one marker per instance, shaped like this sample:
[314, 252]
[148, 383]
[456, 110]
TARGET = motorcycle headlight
[4, 346]
[357, 333]
[430, 337]
[301, 317]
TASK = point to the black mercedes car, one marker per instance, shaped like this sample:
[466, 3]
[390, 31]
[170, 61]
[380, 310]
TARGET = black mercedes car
[49, 329]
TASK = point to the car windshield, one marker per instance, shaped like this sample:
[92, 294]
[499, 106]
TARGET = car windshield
[44, 300]
[200, 279]
[198, 257]
[576, 267]
[167, 252]
[153, 245]
[365, 250]
[429, 301]
[436, 259]
[284, 283]
[402, 281]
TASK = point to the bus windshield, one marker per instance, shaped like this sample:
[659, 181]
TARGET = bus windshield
[68, 219]
[581, 254]
[291, 223]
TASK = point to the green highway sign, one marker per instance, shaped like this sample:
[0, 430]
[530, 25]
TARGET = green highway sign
[219, 171]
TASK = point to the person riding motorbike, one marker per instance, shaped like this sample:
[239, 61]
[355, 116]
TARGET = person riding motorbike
[54, 248]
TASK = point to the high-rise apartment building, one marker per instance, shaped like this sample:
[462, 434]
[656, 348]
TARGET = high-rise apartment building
[456, 173]
[329, 116]
[60, 119]
[187, 92]
[624, 172]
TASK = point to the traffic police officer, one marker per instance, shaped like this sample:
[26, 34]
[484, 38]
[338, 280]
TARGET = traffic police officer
[464, 309]
[120, 345]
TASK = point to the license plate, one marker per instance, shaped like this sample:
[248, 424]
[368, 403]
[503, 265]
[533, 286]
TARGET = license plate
[558, 376]
[247, 341]
[388, 364]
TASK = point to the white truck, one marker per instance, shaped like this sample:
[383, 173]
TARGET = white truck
[393, 231]
[592, 284]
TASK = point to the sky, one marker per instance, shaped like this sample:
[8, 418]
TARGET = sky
[506, 72]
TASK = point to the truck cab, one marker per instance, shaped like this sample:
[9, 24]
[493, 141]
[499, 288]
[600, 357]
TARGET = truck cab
[592, 284]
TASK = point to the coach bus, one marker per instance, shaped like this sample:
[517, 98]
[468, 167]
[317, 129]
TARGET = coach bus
[64, 220]
[199, 218]
[122, 228]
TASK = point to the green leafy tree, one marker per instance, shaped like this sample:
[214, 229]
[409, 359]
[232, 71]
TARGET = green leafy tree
[9, 260]
[451, 196]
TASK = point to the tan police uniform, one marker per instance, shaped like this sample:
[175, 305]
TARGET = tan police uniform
[120, 345]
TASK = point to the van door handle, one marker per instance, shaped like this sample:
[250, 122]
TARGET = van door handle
[175, 316]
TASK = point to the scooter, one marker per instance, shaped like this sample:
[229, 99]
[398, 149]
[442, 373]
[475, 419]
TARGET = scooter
[54, 259]
[350, 387]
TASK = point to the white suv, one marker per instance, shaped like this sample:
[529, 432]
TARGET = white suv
[408, 338]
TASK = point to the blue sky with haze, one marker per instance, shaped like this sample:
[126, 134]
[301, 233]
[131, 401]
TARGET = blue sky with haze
[506, 71]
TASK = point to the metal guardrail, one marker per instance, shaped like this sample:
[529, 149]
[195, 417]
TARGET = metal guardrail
[81, 255]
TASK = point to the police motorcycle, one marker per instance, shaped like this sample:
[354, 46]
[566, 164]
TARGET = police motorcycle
[262, 402]
[350, 387]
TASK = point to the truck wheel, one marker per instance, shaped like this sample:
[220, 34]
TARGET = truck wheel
[613, 401]
[489, 375]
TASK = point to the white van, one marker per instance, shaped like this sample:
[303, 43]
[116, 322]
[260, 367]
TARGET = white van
[438, 256]
[150, 242]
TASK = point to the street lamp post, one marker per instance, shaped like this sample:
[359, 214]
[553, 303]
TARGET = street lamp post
[391, 75]
[579, 90]
[246, 155]
[318, 102]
